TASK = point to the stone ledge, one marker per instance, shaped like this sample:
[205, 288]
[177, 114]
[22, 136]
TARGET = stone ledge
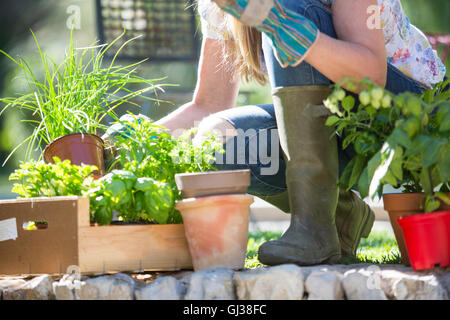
[286, 282]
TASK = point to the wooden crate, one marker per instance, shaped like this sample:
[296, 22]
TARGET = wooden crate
[70, 240]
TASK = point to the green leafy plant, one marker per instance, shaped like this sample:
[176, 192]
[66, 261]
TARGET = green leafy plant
[141, 188]
[141, 185]
[150, 151]
[134, 199]
[40, 179]
[76, 95]
[401, 140]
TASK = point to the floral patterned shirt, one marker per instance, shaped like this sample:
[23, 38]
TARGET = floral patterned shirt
[407, 48]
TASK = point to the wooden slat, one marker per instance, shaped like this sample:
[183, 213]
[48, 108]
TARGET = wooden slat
[50, 250]
[133, 248]
[70, 240]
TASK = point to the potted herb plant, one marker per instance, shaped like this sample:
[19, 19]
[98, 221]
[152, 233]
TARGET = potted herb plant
[400, 140]
[213, 205]
[61, 178]
[139, 185]
[141, 182]
[69, 104]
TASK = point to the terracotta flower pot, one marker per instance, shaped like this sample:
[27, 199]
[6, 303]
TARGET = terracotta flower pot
[216, 230]
[403, 205]
[213, 183]
[427, 238]
[78, 148]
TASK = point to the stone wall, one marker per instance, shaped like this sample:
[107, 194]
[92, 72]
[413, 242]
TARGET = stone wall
[287, 282]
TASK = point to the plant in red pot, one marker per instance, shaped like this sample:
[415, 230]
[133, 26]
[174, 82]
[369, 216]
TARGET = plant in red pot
[403, 141]
[68, 103]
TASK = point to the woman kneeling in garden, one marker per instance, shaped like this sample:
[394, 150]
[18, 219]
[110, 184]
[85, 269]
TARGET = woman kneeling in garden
[303, 46]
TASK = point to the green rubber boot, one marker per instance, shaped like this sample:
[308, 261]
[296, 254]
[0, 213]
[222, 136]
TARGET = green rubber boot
[279, 200]
[311, 178]
[354, 220]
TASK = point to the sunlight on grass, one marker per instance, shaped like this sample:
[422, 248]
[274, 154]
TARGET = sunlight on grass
[379, 247]
[255, 239]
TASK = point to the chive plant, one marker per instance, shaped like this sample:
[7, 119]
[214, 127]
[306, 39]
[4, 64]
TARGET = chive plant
[76, 95]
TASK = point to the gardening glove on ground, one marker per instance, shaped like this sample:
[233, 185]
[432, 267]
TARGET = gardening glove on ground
[292, 34]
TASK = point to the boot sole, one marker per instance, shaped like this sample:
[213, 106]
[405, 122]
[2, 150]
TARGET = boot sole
[274, 261]
[274, 258]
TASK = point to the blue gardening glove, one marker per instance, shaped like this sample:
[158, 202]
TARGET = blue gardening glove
[291, 33]
[121, 128]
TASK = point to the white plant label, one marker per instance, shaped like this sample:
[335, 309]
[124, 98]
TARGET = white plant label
[8, 229]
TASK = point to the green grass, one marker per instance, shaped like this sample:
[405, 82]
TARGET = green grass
[255, 239]
[379, 248]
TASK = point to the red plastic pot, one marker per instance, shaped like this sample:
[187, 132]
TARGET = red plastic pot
[402, 205]
[427, 239]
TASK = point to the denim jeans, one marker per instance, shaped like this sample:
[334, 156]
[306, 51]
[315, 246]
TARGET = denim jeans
[256, 146]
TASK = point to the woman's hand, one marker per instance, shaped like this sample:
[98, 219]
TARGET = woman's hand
[292, 34]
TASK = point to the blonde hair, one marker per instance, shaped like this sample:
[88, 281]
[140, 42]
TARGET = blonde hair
[245, 53]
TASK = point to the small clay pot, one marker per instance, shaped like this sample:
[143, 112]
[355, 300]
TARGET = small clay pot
[213, 183]
[78, 148]
[403, 205]
[216, 229]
